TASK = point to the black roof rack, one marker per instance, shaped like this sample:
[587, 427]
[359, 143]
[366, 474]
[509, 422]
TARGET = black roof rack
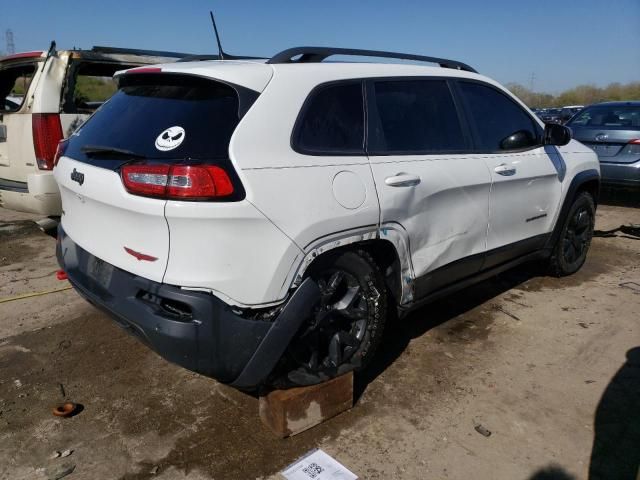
[135, 51]
[216, 56]
[318, 54]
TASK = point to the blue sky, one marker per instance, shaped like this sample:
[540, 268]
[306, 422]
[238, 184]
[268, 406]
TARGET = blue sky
[563, 42]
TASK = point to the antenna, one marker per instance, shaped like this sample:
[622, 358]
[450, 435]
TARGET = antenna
[215, 29]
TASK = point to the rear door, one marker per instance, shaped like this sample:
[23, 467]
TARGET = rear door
[426, 178]
[153, 120]
[16, 141]
[525, 174]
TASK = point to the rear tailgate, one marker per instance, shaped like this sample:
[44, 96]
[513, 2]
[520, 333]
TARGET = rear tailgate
[610, 145]
[16, 142]
[155, 121]
[101, 217]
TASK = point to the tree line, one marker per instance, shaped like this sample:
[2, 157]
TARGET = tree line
[580, 95]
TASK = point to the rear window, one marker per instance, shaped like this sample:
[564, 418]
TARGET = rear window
[608, 116]
[332, 121]
[14, 85]
[89, 85]
[148, 106]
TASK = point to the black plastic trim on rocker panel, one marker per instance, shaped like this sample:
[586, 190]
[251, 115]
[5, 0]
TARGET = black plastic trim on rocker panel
[466, 271]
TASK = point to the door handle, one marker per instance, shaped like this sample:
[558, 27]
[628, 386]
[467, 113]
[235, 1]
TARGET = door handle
[402, 180]
[505, 170]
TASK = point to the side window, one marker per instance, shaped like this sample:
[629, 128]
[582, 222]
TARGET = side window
[332, 121]
[14, 84]
[89, 85]
[500, 123]
[415, 116]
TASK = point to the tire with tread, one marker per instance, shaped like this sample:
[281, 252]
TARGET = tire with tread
[358, 272]
[570, 251]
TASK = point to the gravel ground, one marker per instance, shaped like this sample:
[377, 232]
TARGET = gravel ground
[546, 365]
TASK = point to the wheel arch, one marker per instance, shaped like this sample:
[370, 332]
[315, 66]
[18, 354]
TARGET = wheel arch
[585, 181]
[389, 248]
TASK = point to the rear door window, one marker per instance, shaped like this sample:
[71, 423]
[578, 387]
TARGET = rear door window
[332, 121]
[146, 106]
[14, 85]
[497, 117]
[414, 117]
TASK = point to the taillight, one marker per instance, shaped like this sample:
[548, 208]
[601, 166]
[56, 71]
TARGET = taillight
[180, 182]
[633, 147]
[47, 132]
[62, 147]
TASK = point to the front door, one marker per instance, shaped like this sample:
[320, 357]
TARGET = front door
[525, 174]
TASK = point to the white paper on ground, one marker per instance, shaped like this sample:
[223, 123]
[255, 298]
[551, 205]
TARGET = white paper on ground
[317, 465]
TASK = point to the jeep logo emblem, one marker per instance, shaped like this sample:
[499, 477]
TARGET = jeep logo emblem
[77, 177]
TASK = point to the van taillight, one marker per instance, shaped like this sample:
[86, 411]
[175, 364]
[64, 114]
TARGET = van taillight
[47, 132]
[178, 182]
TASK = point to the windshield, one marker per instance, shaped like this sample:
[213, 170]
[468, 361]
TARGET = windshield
[197, 116]
[609, 116]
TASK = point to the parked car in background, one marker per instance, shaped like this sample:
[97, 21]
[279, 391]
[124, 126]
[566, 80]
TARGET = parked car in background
[44, 96]
[569, 111]
[259, 221]
[612, 130]
[551, 115]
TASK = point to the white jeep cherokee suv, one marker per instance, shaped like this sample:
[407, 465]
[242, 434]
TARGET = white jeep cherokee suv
[259, 221]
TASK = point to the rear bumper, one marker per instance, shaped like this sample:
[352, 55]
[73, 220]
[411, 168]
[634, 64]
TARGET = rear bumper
[39, 194]
[625, 174]
[209, 339]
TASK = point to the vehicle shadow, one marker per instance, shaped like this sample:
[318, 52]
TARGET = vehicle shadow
[617, 197]
[552, 473]
[616, 444]
[399, 332]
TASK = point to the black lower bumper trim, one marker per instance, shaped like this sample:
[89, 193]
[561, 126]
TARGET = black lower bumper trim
[195, 330]
[13, 186]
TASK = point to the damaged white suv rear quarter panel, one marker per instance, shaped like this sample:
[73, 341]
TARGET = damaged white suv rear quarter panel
[307, 196]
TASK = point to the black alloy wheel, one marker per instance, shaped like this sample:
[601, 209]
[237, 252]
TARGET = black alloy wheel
[573, 244]
[345, 326]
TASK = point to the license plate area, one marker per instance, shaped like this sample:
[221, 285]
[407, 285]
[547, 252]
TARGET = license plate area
[100, 272]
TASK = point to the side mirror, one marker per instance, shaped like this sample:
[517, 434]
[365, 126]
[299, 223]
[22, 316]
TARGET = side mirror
[517, 140]
[556, 134]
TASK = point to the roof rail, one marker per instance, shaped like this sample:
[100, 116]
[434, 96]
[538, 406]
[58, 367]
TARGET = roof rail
[215, 56]
[135, 51]
[318, 54]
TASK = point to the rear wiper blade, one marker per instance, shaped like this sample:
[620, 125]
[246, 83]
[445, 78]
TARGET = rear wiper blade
[99, 149]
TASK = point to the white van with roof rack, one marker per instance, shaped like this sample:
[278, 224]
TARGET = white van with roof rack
[44, 96]
[260, 221]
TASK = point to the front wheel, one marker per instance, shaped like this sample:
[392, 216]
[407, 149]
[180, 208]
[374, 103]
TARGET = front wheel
[570, 252]
[345, 326]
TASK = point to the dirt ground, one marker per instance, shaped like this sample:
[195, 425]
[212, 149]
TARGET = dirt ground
[545, 364]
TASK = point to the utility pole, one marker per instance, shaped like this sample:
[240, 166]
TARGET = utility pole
[532, 79]
[11, 47]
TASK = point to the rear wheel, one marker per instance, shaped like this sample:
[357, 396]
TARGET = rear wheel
[570, 252]
[345, 326]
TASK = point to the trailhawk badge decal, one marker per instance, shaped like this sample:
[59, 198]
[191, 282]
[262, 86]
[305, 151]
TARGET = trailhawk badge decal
[171, 138]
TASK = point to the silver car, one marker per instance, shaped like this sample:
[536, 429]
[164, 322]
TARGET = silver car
[612, 130]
